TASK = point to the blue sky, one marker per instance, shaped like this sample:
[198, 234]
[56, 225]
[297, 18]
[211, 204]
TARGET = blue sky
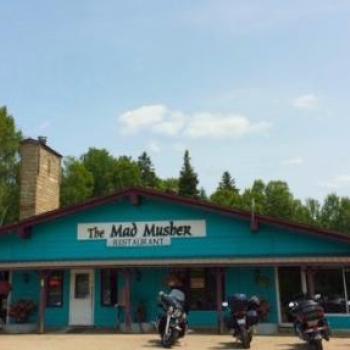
[257, 88]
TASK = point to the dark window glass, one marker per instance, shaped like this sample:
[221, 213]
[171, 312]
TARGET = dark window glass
[82, 286]
[202, 289]
[55, 289]
[347, 281]
[289, 279]
[329, 283]
[109, 287]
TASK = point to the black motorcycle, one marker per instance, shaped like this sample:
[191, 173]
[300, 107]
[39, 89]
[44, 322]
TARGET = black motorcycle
[243, 316]
[172, 323]
[310, 323]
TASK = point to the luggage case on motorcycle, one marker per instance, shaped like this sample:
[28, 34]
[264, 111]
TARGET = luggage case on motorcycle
[309, 310]
[238, 302]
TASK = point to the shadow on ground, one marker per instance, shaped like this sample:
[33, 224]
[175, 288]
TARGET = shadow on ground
[227, 345]
[295, 346]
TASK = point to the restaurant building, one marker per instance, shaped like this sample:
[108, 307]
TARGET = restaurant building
[101, 263]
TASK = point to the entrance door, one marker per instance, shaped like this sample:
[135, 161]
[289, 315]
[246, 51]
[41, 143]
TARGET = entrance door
[81, 298]
[290, 287]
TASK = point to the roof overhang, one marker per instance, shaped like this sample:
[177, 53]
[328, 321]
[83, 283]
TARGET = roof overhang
[134, 195]
[205, 262]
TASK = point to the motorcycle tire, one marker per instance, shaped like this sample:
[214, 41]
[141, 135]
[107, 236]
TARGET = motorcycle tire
[245, 338]
[317, 345]
[168, 341]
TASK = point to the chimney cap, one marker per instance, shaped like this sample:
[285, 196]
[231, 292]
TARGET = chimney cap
[42, 143]
[42, 139]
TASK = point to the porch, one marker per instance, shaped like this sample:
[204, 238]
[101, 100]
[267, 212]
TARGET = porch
[126, 299]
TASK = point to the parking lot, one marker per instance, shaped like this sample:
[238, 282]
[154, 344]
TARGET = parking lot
[135, 342]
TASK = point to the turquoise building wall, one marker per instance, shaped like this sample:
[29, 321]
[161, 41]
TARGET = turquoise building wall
[226, 238]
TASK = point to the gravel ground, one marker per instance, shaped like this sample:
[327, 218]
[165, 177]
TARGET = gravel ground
[136, 342]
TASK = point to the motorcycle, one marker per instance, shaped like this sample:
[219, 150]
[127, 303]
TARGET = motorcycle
[310, 323]
[172, 323]
[243, 316]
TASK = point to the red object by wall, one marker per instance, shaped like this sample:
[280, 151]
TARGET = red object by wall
[5, 288]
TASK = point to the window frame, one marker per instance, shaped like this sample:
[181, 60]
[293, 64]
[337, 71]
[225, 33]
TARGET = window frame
[114, 279]
[346, 292]
[62, 277]
[207, 288]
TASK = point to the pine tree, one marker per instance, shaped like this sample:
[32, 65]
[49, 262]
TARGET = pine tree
[188, 180]
[202, 194]
[148, 174]
[226, 193]
[227, 183]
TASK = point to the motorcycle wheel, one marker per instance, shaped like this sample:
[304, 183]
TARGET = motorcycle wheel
[168, 341]
[245, 338]
[317, 345]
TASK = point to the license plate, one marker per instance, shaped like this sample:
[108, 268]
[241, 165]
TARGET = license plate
[241, 321]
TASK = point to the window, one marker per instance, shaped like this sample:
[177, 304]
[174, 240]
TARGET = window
[201, 290]
[330, 284]
[82, 286]
[347, 289]
[109, 287]
[54, 297]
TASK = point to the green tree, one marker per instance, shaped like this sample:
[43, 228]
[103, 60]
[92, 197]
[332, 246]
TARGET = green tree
[100, 164]
[226, 193]
[10, 139]
[77, 182]
[126, 173]
[330, 212]
[344, 220]
[279, 200]
[147, 172]
[301, 213]
[227, 183]
[168, 185]
[256, 194]
[314, 208]
[188, 180]
[202, 194]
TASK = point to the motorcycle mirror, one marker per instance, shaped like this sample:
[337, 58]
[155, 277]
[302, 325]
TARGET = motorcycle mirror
[225, 304]
[291, 304]
[317, 296]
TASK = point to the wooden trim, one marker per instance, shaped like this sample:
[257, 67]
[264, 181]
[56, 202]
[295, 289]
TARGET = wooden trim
[42, 301]
[9, 300]
[278, 296]
[219, 299]
[202, 262]
[195, 203]
[128, 307]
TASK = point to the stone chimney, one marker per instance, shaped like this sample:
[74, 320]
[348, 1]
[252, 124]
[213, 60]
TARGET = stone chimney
[40, 177]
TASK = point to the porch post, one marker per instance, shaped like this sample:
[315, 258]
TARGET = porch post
[310, 281]
[42, 302]
[128, 320]
[219, 299]
[9, 300]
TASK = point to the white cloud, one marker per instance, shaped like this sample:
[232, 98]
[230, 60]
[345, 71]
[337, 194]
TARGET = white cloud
[162, 120]
[143, 117]
[154, 147]
[293, 161]
[222, 126]
[306, 102]
[172, 126]
[339, 181]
